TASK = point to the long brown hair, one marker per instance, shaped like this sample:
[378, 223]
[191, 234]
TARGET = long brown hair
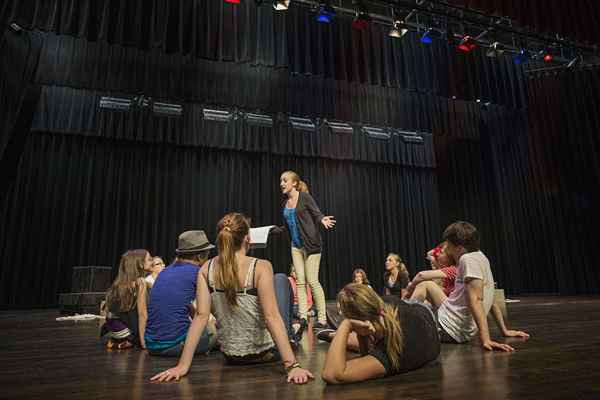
[301, 186]
[125, 286]
[231, 231]
[363, 273]
[361, 302]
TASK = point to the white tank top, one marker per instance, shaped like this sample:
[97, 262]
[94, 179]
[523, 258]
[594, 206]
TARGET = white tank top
[242, 330]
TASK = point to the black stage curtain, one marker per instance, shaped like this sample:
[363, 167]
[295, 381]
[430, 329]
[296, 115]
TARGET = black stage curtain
[529, 182]
[491, 183]
[81, 200]
[19, 56]
[564, 146]
[216, 30]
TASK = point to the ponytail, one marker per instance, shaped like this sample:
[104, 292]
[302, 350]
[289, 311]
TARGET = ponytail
[232, 229]
[301, 186]
[227, 276]
[402, 269]
[394, 339]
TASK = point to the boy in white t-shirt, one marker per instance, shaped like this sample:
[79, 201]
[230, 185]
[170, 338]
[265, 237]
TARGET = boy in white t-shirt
[464, 312]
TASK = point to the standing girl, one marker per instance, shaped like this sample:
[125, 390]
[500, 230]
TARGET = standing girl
[302, 220]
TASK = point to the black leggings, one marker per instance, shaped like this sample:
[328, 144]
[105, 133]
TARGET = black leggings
[266, 356]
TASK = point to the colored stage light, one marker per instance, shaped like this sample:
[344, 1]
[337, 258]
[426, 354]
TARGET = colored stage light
[547, 55]
[232, 1]
[522, 57]
[361, 21]
[325, 13]
[467, 44]
[426, 38]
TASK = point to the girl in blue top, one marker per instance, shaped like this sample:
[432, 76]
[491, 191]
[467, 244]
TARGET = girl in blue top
[302, 220]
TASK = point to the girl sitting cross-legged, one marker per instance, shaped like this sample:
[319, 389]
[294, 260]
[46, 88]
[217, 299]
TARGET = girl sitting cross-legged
[126, 301]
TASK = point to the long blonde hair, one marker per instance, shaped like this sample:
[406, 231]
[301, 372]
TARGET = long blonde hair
[360, 302]
[126, 285]
[232, 229]
[401, 267]
[301, 185]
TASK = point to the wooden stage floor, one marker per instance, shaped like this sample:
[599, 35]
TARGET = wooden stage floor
[41, 358]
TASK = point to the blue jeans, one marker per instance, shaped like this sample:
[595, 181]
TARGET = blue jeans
[175, 351]
[285, 301]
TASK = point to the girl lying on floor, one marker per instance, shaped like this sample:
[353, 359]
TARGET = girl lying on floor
[392, 336]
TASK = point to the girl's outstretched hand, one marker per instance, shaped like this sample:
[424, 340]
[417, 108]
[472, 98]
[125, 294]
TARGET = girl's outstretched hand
[299, 376]
[170, 374]
[328, 221]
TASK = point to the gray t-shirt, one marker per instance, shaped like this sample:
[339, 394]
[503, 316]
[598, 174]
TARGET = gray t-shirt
[454, 314]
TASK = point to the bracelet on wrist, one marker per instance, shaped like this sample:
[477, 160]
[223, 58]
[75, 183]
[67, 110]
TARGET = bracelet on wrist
[296, 364]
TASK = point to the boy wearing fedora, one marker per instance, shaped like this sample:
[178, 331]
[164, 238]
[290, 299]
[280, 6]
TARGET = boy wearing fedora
[171, 296]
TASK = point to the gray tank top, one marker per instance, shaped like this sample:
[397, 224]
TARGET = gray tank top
[242, 330]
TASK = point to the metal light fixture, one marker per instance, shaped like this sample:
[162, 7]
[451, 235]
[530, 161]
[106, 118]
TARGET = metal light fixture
[496, 49]
[398, 30]
[281, 5]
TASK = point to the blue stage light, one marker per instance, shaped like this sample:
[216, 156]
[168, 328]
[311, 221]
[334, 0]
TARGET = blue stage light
[325, 13]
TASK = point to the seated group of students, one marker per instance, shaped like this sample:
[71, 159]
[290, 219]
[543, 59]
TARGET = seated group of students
[252, 309]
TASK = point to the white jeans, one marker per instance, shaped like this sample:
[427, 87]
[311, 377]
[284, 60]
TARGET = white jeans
[307, 272]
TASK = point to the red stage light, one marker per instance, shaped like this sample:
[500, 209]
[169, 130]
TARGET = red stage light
[548, 57]
[232, 1]
[467, 44]
[361, 24]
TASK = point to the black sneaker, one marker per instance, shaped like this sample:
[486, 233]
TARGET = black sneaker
[319, 325]
[324, 334]
[334, 318]
[297, 332]
[295, 343]
[303, 325]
